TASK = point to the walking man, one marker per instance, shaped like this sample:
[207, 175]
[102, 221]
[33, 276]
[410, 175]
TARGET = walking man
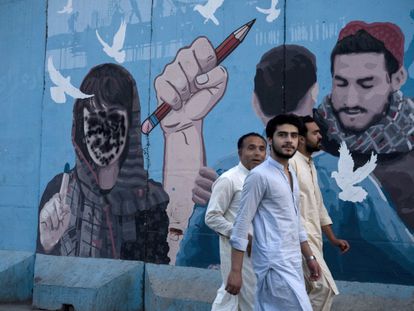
[221, 213]
[270, 198]
[315, 218]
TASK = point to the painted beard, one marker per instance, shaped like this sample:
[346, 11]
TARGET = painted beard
[280, 154]
[105, 135]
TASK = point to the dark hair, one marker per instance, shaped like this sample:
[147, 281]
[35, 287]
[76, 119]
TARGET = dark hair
[110, 84]
[303, 130]
[363, 42]
[242, 138]
[279, 120]
[284, 75]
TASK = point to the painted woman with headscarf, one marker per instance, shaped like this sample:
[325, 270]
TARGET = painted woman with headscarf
[105, 206]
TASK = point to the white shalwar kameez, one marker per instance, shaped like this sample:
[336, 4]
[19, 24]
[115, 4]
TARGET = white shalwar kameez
[221, 212]
[268, 200]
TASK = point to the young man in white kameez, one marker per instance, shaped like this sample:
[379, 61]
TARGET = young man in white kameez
[270, 198]
[221, 213]
[315, 218]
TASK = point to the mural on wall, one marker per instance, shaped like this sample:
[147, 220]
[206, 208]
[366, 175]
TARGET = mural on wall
[208, 9]
[276, 81]
[115, 51]
[105, 206]
[271, 13]
[108, 204]
[367, 113]
[377, 124]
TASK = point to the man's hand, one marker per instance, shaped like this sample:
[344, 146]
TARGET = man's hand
[192, 84]
[54, 217]
[203, 183]
[315, 269]
[342, 244]
[234, 282]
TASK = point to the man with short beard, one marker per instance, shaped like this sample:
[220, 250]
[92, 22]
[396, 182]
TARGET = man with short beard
[270, 199]
[315, 218]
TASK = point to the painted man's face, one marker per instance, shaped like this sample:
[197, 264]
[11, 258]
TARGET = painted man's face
[105, 133]
[360, 89]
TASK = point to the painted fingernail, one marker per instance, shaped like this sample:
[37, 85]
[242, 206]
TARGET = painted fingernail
[202, 79]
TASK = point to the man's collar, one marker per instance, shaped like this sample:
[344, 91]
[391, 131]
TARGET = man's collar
[275, 163]
[243, 168]
[304, 157]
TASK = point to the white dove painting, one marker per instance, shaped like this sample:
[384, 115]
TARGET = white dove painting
[115, 51]
[207, 10]
[272, 13]
[346, 178]
[67, 8]
[63, 85]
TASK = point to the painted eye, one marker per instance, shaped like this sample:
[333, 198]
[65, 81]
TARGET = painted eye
[366, 86]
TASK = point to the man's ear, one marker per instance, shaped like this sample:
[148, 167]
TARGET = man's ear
[302, 140]
[269, 142]
[398, 78]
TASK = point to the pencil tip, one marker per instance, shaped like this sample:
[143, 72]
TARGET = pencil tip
[250, 24]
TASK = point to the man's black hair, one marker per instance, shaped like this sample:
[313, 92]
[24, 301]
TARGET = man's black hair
[363, 42]
[284, 75]
[303, 130]
[281, 119]
[242, 138]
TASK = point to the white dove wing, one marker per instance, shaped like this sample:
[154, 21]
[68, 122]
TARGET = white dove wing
[67, 8]
[119, 37]
[264, 11]
[274, 4]
[363, 172]
[55, 76]
[75, 92]
[345, 161]
[58, 94]
[104, 44]
[212, 5]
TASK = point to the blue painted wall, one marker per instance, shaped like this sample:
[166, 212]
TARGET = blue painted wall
[36, 131]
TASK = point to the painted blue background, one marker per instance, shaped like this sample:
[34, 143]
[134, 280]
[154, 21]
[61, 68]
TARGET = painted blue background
[35, 140]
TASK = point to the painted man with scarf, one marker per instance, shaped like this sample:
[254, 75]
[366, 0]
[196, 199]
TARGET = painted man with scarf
[368, 112]
[105, 206]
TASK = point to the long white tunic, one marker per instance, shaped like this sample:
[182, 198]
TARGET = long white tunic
[313, 212]
[268, 200]
[221, 213]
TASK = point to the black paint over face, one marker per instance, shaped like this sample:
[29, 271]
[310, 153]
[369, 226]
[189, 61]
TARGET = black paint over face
[105, 134]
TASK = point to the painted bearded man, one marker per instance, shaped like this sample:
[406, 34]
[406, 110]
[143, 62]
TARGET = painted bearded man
[368, 112]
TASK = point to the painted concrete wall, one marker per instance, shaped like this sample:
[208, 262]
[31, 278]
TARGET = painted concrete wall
[48, 208]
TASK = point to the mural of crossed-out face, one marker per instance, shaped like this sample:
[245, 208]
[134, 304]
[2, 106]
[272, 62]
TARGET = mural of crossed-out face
[105, 134]
[100, 207]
